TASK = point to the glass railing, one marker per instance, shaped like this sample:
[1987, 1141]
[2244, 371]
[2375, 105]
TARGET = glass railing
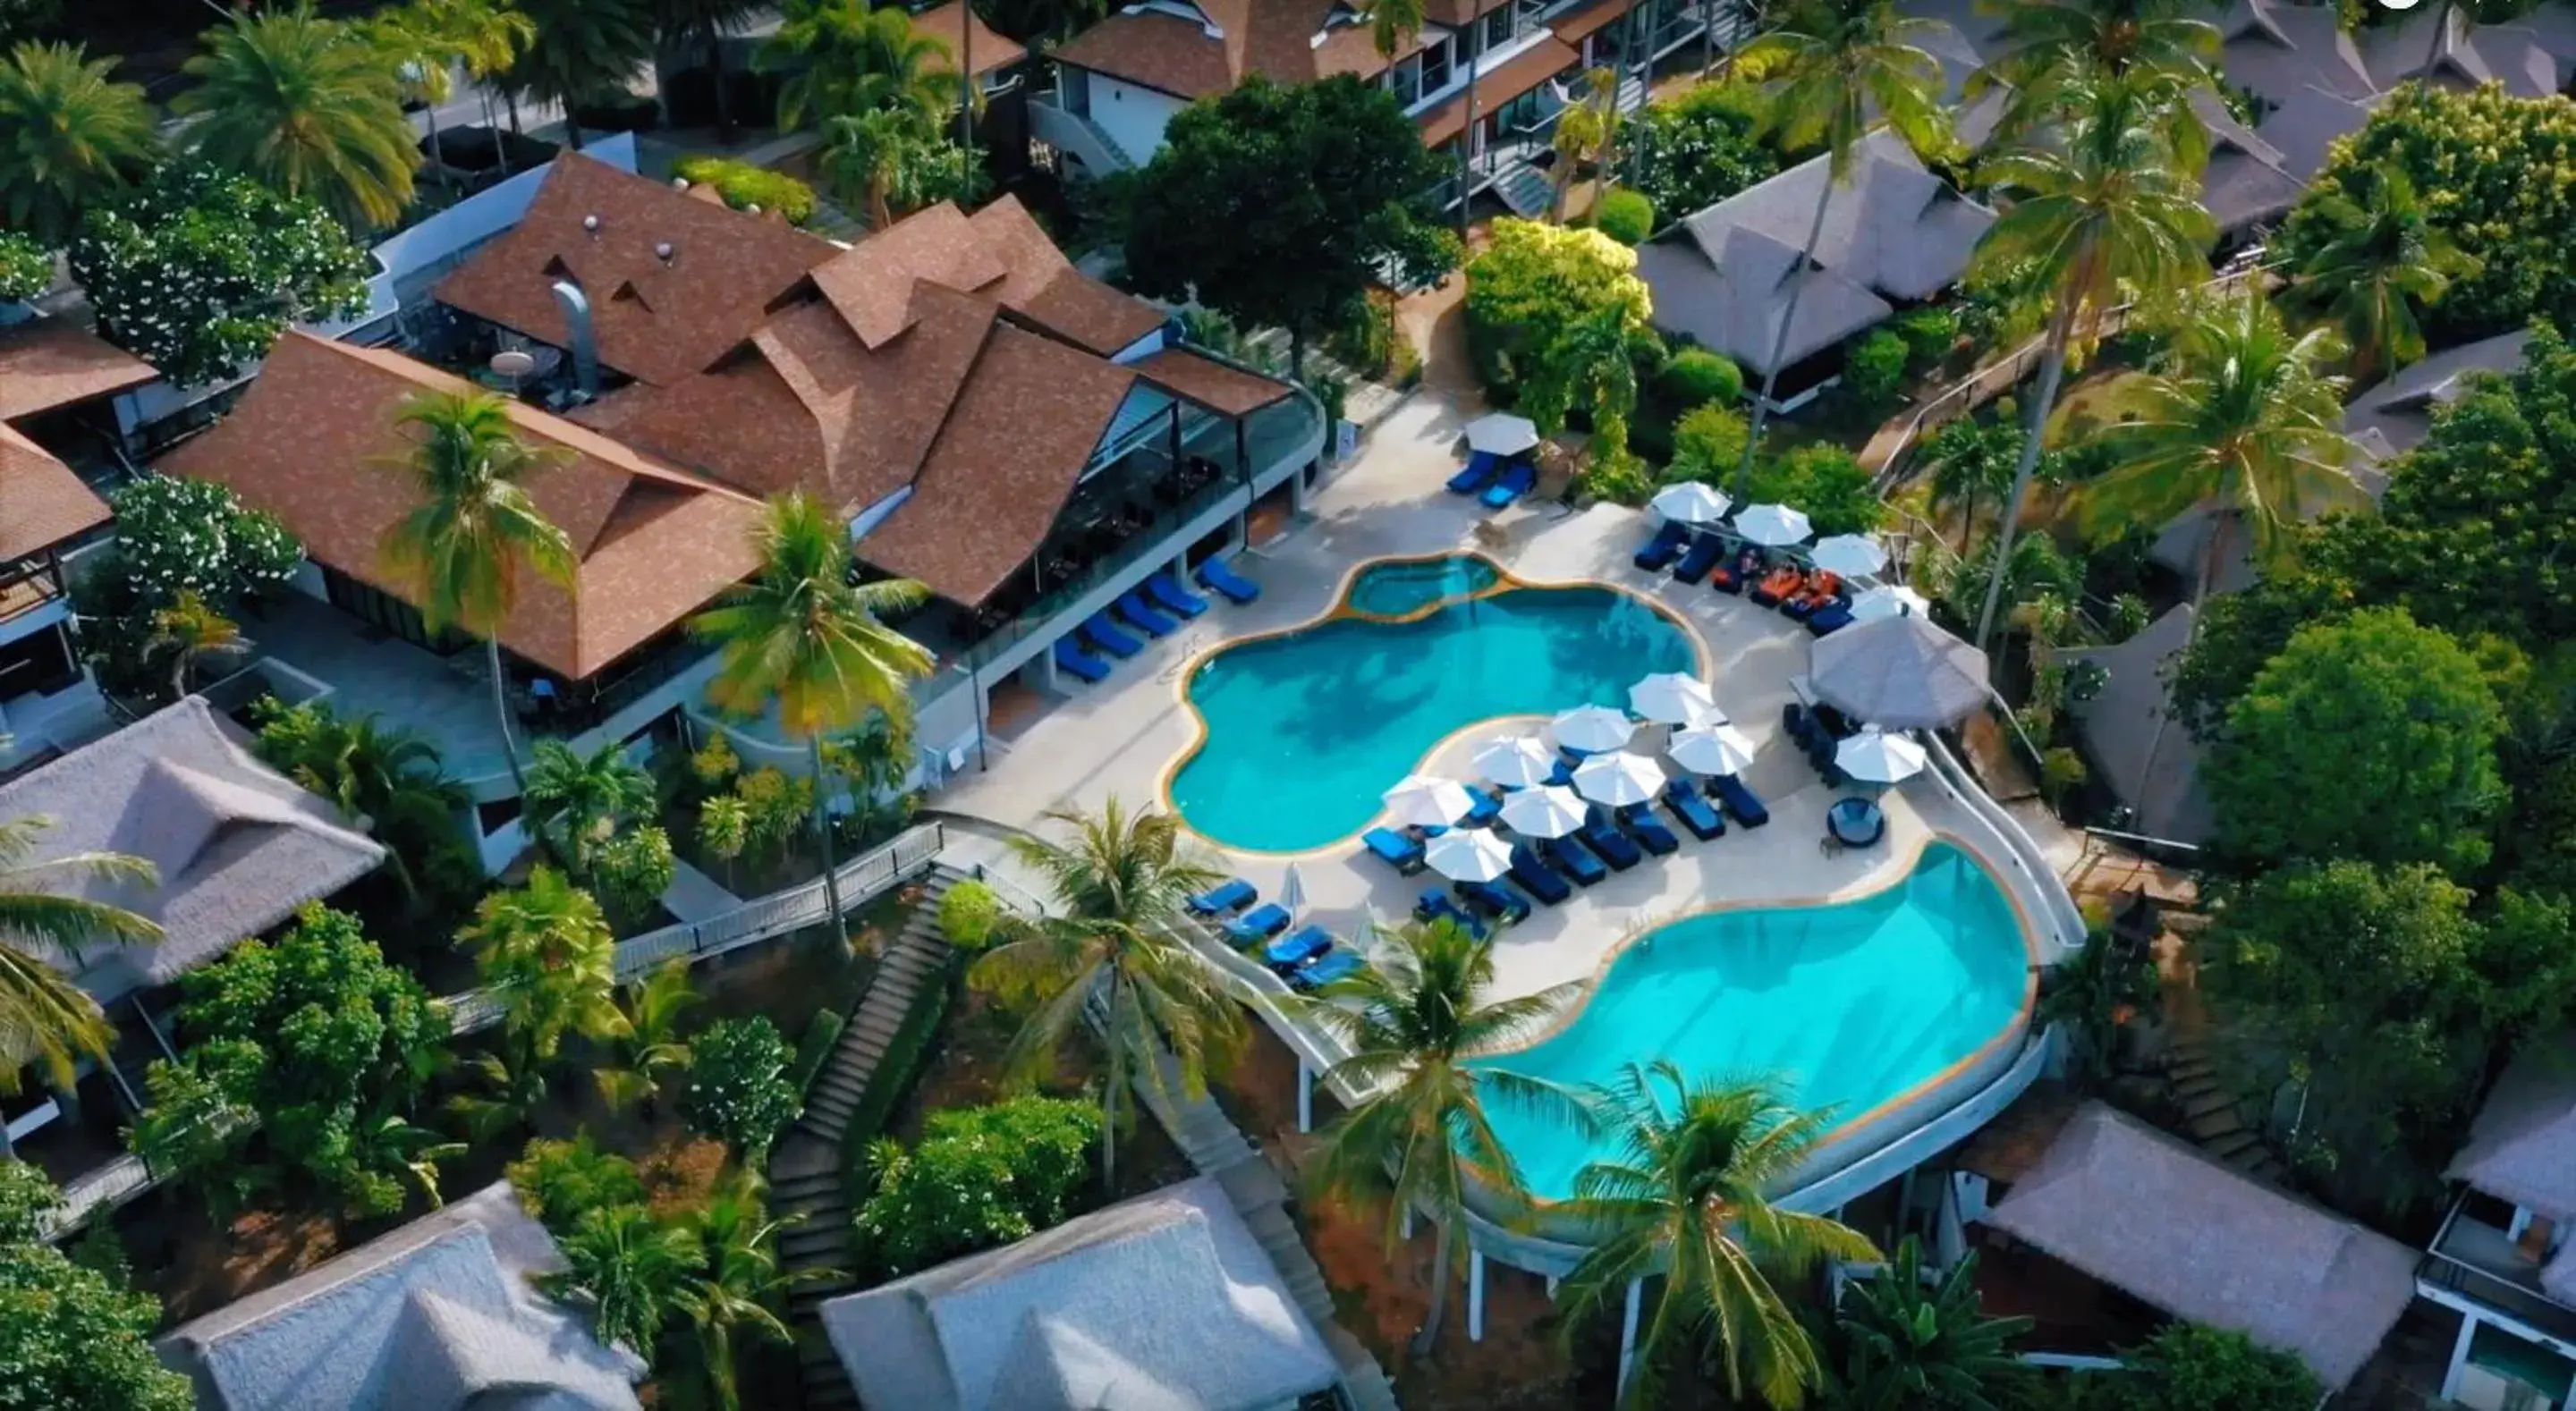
[1143, 543]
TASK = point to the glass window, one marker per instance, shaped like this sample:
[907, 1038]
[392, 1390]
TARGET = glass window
[1406, 81]
[1499, 26]
[1435, 66]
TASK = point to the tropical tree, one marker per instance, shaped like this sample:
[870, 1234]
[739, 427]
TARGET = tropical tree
[649, 1047]
[307, 106]
[630, 1270]
[1687, 1197]
[69, 138]
[576, 803]
[391, 1143]
[1971, 460]
[2091, 996]
[462, 554]
[805, 640]
[43, 1015]
[697, 27]
[2045, 43]
[545, 950]
[191, 631]
[1905, 1344]
[740, 1290]
[1585, 129]
[391, 777]
[2101, 201]
[891, 162]
[841, 57]
[1423, 1140]
[431, 39]
[2386, 258]
[1121, 882]
[583, 51]
[1842, 66]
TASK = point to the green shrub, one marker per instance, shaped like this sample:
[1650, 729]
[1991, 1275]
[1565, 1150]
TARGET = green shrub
[980, 1177]
[560, 1181]
[739, 1091]
[1618, 478]
[1929, 335]
[26, 269]
[2187, 1367]
[968, 914]
[821, 1033]
[1702, 147]
[744, 186]
[1698, 376]
[631, 872]
[1827, 482]
[1625, 216]
[1708, 444]
[1874, 375]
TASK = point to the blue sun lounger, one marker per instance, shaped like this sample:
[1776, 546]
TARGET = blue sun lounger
[1702, 557]
[1172, 597]
[1223, 580]
[1667, 545]
[1537, 878]
[1259, 924]
[1108, 636]
[1517, 480]
[1437, 905]
[1291, 951]
[1648, 830]
[1608, 843]
[1228, 896]
[1574, 862]
[1325, 969]
[1070, 657]
[1693, 810]
[1495, 900]
[1828, 620]
[1740, 803]
[1481, 466]
[1395, 849]
[1133, 607]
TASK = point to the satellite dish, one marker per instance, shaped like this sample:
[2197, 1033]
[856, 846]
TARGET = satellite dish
[514, 362]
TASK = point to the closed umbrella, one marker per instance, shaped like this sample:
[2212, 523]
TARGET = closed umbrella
[1292, 891]
[1592, 729]
[1421, 801]
[1887, 600]
[1548, 812]
[1618, 778]
[1900, 672]
[1876, 757]
[1773, 526]
[1469, 855]
[1849, 555]
[1501, 434]
[1712, 749]
[1672, 698]
[1691, 503]
[1515, 762]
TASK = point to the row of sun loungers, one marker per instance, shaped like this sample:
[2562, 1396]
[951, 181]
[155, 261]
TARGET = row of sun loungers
[1813, 597]
[1494, 479]
[1156, 608]
[1307, 959]
[1610, 840]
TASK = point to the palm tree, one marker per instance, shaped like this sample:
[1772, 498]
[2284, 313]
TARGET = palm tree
[1120, 884]
[307, 106]
[582, 51]
[2090, 996]
[192, 632]
[1910, 1346]
[724, 829]
[630, 1270]
[741, 1288]
[1688, 1198]
[1422, 1140]
[875, 158]
[461, 554]
[546, 951]
[69, 138]
[2386, 259]
[43, 1015]
[1841, 66]
[2100, 202]
[650, 1048]
[802, 637]
[2047, 42]
[1971, 459]
[392, 1142]
[483, 37]
[388, 776]
[697, 27]
[842, 57]
[1584, 131]
[575, 803]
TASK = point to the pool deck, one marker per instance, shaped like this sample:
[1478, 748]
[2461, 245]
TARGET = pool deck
[1121, 737]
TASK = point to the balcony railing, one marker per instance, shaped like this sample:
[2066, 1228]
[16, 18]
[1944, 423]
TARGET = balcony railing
[28, 591]
[2523, 1304]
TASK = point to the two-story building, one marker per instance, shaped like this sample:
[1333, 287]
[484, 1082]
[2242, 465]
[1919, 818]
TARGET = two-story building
[2504, 1259]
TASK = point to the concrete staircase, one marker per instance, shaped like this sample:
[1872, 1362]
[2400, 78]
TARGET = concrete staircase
[806, 1174]
[2215, 1118]
[1525, 189]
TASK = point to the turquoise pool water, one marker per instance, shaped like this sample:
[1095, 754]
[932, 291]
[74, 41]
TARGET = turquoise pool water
[1305, 731]
[1848, 1005]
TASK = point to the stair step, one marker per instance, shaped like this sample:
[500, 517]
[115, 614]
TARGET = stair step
[2234, 1144]
[2208, 1104]
[2210, 1129]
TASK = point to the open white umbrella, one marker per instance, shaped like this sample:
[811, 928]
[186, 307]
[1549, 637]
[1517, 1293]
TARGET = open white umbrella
[1887, 600]
[1618, 778]
[1691, 503]
[1773, 526]
[1292, 891]
[1849, 555]
[1592, 729]
[1501, 434]
[1876, 757]
[1548, 812]
[1672, 698]
[1514, 761]
[1712, 749]
[1421, 801]
[1469, 855]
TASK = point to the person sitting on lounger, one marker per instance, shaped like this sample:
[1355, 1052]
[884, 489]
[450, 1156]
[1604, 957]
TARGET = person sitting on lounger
[1784, 581]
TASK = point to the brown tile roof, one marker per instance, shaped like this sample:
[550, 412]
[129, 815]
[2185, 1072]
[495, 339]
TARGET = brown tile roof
[1209, 383]
[1015, 445]
[1042, 286]
[307, 443]
[992, 51]
[41, 502]
[656, 321]
[1583, 23]
[1543, 61]
[1273, 38]
[1456, 13]
[47, 363]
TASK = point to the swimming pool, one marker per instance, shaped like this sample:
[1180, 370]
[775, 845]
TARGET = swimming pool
[1302, 731]
[1850, 1006]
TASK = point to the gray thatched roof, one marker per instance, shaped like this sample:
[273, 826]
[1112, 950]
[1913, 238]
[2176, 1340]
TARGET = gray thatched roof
[2400, 409]
[237, 844]
[2461, 54]
[2276, 49]
[2120, 732]
[2522, 1148]
[437, 1316]
[2139, 1210]
[1161, 1303]
[2248, 181]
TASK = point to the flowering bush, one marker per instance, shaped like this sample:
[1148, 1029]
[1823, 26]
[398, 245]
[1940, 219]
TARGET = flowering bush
[980, 1177]
[26, 270]
[176, 535]
[1702, 147]
[197, 272]
[739, 1092]
[743, 186]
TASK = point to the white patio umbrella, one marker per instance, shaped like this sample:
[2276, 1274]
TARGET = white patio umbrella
[1292, 891]
[1886, 600]
[1773, 526]
[1514, 761]
[1422, 801]
[1849, 555]
[1691, 503]
[1469, 855]
[1876, 757]
[1592, 729]
[1618, 778]
[1501, 434]
[1672, 698]
[1712, 749]
[1548, 812]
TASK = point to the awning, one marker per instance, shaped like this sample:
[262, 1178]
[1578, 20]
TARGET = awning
[49, 363]
[1228, 391]
[1576, 27]
[1517, 75]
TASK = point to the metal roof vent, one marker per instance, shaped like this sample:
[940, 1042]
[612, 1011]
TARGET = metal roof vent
[666, 252]
[590, 223]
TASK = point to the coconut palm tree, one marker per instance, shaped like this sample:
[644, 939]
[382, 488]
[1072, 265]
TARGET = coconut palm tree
[631, 1271]
[305, 105]
[69, 138]
[192, 632]
[803, 638]
[1971, 460]
[1907, 1345]
[1688, 1198]
[1841, 66]
[482, 37]
[697, 27]
[43, 1015]
[2385, 261]
[1584, 132]
[575, 803]
[391, 1142]
[2047, 42]
[1120, 884]
[876, 158]
[842, 57]
[650, 1049]
[1422, 1141]
[2100, 203]
[546, 951]
[462, 554]
[740, 1289]
[582, 51]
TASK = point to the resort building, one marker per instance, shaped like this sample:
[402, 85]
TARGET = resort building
[440, 1315]
[2504, 1259]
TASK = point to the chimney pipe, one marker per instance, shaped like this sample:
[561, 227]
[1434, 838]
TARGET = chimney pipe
[585, 343]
